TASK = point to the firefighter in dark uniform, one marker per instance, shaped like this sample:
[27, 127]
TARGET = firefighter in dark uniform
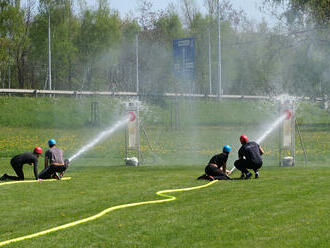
[249, 157]
[19, 160]
[216, 168]
[55, 166]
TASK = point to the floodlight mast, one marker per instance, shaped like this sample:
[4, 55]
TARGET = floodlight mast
[137, 62]
[210, 64]
[219, 52]
[49, 53]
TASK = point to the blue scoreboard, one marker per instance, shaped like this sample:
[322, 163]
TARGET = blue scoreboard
[184, 58]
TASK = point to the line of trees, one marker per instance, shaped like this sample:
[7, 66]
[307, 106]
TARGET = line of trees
[95, 49]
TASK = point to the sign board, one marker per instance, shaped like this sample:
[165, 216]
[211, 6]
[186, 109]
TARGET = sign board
[184, 58]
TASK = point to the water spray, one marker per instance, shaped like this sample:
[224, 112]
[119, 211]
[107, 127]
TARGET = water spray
[285, 116]
[130, 117]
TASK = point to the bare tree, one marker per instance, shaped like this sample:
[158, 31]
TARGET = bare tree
[189, 10]
[227, 11]
[211, 6]
[147, 17]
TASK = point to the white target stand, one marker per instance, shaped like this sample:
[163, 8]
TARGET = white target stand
[287, 133]
[132, 134]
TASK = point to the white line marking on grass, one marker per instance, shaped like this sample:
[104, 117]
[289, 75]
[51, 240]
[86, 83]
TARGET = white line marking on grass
[100, 214]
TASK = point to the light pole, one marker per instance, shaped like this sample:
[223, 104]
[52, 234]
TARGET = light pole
[219, 52]
[49, 53]
[210, 64]
[137, 62]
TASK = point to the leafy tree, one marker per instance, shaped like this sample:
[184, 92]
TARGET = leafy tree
[306, 71]
[14, 41]
[100, 31]
[63, 26]
[307, 65]
[258, 62]
[120, 72]
[204, 28]
[169, 27]
[319, 10]
[94, 49]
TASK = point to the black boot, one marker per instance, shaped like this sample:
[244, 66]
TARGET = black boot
[4, 177]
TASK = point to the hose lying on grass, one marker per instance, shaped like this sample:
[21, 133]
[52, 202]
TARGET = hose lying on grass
[100, 214]
[33, 181]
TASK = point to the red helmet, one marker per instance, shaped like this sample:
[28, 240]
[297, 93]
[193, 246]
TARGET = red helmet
[37, 150]
[243, 139]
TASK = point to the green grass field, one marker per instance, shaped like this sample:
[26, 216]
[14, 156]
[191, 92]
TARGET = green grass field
[286, 207]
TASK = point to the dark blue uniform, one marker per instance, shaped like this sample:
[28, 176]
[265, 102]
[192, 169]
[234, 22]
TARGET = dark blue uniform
[249, 157]
[17, 163]
[213, 167]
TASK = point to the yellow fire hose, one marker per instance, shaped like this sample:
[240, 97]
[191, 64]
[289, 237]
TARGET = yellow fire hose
[100, 214]
[33, 181]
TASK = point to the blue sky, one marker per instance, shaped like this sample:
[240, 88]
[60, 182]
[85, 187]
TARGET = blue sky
[249, 6]
[125, 6]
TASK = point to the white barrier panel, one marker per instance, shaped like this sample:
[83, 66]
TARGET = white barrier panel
[133, 138]
[287, 134]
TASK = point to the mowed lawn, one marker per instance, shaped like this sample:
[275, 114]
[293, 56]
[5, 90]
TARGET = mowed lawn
[286, 207]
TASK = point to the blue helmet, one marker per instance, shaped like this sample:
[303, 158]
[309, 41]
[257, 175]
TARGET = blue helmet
[226, 148]
[51, 142]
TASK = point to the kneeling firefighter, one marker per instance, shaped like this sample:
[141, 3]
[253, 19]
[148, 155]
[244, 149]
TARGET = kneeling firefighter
[55, 166]
[216, 169]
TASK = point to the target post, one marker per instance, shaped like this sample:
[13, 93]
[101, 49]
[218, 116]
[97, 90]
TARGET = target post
[132, 133]
[287, 133]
